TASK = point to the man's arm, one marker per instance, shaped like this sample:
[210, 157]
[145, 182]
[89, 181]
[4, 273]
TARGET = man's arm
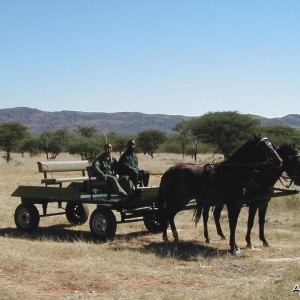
[97, 170]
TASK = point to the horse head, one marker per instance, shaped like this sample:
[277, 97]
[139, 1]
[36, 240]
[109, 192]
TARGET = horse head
[258, 150]
[291, 161]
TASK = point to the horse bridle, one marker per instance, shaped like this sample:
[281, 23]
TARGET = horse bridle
[293, 179]
[266, 141]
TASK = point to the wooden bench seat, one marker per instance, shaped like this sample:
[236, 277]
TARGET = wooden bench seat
[63, 179]
[53, 168]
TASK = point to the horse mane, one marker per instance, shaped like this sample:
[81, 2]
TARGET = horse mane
[285, 150]
[235, 155]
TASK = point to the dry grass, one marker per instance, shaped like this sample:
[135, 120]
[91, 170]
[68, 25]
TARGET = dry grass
[59, 261]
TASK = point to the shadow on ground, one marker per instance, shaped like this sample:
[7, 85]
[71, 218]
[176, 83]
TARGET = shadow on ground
[185, 250]
[61, 233]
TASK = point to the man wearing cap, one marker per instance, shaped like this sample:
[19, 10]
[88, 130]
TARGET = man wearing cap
[129, 165]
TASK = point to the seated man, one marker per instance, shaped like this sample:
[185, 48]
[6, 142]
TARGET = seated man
[129, 165]
[105, 168]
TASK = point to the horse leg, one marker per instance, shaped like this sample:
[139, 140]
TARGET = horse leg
[262, 210]
[165, 235]
[173, 228]
[217, 216]
[163, 218]
[251, 217]
[233, 214]
[205, 221]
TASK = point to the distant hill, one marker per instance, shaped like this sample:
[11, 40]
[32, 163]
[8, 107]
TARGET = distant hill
[38, 121]
[288, 120]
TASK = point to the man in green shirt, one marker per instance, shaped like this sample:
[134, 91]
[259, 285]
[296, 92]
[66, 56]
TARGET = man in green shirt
[129, 165]
[105, 168]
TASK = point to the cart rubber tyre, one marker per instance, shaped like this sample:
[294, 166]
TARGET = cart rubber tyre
[152, 223]
[27, 217]
[77, 213]
[103, 225]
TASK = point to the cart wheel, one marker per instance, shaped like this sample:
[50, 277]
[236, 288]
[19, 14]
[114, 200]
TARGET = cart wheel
[152, 223]
[103, 224]
[77, 213]
[27, 217]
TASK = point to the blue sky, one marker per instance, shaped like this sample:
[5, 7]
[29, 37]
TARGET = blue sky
[185, 57]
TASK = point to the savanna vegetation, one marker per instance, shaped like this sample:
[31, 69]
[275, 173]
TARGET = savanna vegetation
[219, 132]
[60, 261]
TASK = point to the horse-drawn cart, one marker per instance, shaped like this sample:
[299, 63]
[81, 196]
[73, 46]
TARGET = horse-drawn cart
[103, 222]
[73, 196]
[74, 204]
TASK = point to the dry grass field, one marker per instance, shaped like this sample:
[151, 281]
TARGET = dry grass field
[60, 261]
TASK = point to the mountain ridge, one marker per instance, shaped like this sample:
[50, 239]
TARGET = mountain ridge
[38, 121]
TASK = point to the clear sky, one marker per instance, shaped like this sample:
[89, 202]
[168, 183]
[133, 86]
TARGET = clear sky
[177, 57]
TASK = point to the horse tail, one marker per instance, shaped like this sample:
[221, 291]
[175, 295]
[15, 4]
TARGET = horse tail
[161, 198]
[197, 213]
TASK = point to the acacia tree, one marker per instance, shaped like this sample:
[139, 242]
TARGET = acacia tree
[282, 134]
[31, 145]
[53, 143]
[227, 130]
[119, 143]
[149, 140]
[87, 131]
[11, 134]
[86, 143]
[186, 136]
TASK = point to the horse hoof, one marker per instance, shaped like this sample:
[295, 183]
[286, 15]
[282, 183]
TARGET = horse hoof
[176, 241]
[266, 244]
[250, 246]
[208, 241]
[223, 237]
[166, 240]
[236, 252]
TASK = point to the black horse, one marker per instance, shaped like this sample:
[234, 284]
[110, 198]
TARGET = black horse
[261, 189]
[222, 185]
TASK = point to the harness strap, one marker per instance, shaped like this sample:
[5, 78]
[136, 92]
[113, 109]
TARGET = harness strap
[286, 179]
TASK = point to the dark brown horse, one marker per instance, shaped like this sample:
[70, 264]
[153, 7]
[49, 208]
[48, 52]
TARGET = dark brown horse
[261, 189]
[222, 185]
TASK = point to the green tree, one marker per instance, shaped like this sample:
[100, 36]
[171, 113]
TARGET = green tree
[282, 134]
[87, 131]
[186, 136]
[227, 130]
[87, 148]
[171, 145]
[149, 140]
[119, 143]
[11, 135]
[31, 145]
[52, 143]
[183, 135]
[86, 143]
